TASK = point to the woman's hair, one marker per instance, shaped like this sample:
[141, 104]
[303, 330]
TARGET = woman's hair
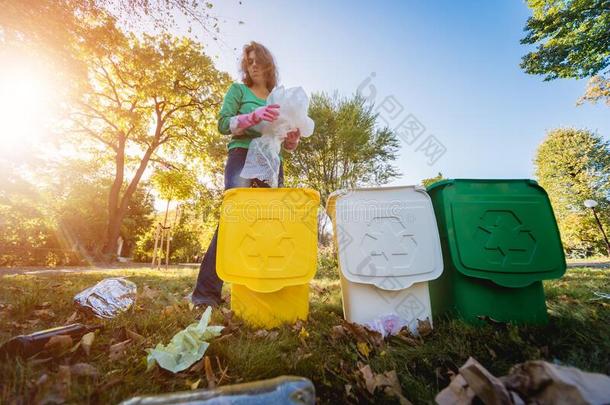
[265, 59]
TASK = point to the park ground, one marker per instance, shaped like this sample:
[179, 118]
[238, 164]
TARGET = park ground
[322, 349]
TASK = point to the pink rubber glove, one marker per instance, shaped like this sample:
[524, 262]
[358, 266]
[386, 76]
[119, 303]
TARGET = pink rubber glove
[267, 113]
[292, 140]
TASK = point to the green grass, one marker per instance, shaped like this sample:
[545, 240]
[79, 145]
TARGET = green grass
[576, 335]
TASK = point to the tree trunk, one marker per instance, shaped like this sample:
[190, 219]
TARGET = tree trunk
[113, 228]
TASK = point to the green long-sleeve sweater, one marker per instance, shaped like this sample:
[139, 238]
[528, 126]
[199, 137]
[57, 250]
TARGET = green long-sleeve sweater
[238, 100]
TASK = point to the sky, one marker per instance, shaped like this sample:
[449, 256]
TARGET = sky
[446, 70]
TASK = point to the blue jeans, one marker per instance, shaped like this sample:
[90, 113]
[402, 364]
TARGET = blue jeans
[207, 290]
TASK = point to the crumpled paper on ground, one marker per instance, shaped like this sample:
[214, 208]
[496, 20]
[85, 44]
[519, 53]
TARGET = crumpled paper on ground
[536, 382]
[263, 160]
[186, 347]
[108, 298]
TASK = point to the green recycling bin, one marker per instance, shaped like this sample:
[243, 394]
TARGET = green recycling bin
[499, 240]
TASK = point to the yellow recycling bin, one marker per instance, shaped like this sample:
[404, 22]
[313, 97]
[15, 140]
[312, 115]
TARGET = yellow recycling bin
[267, 248]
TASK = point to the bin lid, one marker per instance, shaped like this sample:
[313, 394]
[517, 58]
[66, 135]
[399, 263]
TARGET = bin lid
[501, 230]
[268, 237]
[386, 236]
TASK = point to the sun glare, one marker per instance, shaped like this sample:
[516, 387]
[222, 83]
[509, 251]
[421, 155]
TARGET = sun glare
[26, 105]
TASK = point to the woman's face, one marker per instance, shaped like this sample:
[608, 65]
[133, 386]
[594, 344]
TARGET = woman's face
[254, 69]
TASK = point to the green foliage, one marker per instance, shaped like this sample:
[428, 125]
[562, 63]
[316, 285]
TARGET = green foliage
[573, 166]
[572, 38]
[174, 184]
[432, 180]
[346, 149]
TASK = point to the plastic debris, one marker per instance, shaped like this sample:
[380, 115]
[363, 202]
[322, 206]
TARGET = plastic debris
[28, 345]
[107, 298]
[283, 390]
[532, 382]
[263, 159]
[186, 347]
[387, 325]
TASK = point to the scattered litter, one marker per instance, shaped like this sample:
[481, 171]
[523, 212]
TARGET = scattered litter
[49, 339]
[537, 382]
[107, 298]
[283, 390]
[601, 296]
[186, 347]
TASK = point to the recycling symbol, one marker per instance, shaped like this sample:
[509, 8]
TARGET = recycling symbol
[267, 245]
[506, 240]
[388, 246]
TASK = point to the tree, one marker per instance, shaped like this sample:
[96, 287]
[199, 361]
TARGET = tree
[432, 180]
[149, 99]
[346, 149]
[573, 166]
[57, 30]
[572, 38]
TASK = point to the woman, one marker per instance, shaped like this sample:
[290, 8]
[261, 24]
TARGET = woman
[244, 107]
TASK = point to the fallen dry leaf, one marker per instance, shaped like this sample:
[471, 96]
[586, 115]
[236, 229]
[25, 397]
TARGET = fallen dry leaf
[424, 328]
[303, 334]
[149, 293]
[364, 349]
[362, 334]
[72, 317]
[83, 370]
[193, 385]
[63, 382]
[44, 313]
[87, 341]
[118, 350]
[337, 332]
[59, 343]
[387, 381]
[209, 373]
[369, 378]
[136, 337]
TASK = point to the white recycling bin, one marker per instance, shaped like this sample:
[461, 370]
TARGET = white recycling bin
[388, 248]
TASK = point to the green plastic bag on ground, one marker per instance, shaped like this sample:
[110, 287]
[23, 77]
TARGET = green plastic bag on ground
[186, 347]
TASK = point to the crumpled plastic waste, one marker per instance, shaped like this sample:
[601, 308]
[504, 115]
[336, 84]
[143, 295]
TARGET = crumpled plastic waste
[107, 298]
[532, 382]
[284, 390]
[387, 325]
[186, 347]
[263, 160]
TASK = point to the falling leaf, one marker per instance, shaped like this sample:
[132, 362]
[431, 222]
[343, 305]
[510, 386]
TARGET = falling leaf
[364, 349]
[87, 341]
[59, 343]
[209, 373]
[118, 350]
[424, 328]
[83, 370]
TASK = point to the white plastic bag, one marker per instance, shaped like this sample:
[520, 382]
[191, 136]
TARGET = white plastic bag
[263, 159]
